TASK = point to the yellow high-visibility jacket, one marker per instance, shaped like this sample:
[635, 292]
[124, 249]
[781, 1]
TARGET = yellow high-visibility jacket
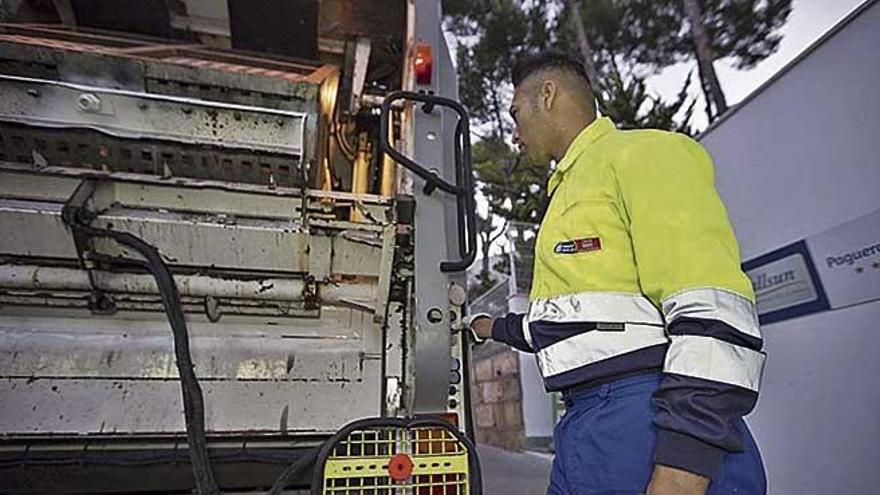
[637, 270]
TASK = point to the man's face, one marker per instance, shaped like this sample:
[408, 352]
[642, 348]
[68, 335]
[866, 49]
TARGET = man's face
[530, 133]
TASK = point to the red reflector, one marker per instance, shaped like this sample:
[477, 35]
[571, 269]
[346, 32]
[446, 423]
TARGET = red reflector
[423, 64]
[400, 467]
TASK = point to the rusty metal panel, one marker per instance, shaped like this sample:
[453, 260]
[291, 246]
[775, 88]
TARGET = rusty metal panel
[148, 354]
[193, 199]
[320, 256]
[386, 266]
[230, 82]
[94, 151]
[356, 257]
[132, 115]
[185, 239]
[83, 374]
[39, 228]
[338, 328]
[46, 188]
[213, 241]
[111, 406]
[179, 71]
[186, 194]
[47, 280]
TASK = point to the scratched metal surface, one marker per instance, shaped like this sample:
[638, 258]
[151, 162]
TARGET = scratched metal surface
[117, 375]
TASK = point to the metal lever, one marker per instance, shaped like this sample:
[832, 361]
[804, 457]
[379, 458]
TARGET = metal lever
[463, 189]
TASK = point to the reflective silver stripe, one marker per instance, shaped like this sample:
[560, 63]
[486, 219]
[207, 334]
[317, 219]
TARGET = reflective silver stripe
[716, 360]
[596, 307]
[527, 334]
[714, 304]
[593, 346]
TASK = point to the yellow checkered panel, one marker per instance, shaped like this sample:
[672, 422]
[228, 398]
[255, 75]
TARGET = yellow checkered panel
[395, 460]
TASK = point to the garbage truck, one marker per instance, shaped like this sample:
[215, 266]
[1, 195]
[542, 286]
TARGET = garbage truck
[233, 238]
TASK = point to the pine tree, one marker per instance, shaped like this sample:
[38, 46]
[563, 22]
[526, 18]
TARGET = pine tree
[659, 33]
[618, 82]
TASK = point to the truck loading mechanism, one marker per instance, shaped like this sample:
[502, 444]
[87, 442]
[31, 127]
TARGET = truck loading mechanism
[313, 282]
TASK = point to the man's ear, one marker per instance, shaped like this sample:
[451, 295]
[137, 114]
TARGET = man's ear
[548, 93]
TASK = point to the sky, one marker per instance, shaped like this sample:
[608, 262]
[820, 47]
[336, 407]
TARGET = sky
[808, 21]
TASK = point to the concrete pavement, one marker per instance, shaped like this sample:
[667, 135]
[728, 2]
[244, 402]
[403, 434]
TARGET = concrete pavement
[511, 473]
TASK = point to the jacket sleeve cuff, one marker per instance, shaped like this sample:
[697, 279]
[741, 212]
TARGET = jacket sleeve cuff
[508, 330]
[685, 452]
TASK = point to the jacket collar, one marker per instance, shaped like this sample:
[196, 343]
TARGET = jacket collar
[587, 136]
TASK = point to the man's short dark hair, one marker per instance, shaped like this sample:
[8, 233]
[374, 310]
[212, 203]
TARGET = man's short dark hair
[535, 63]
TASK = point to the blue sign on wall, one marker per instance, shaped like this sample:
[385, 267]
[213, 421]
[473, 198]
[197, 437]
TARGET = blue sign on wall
[786, 284]
[833, 269]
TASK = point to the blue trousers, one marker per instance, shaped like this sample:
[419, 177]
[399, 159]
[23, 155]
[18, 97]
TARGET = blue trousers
[605, 445]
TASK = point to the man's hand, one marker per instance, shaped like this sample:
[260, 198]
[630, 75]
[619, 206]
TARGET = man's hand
[482, 326]
[671, 481]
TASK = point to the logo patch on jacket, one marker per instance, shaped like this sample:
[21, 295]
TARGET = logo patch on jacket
[575, 246]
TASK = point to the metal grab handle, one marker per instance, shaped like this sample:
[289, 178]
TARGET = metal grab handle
[463, 189]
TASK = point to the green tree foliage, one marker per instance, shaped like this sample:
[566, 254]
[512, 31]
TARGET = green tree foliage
[659, 33]
[620, 85]
[492, 35]
[513, 189]
[625, 99]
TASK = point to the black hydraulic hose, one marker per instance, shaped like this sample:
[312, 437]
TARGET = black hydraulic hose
[193, 400]
[291, 472]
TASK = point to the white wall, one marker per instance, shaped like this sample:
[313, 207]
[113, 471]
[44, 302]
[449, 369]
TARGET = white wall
[799, 158]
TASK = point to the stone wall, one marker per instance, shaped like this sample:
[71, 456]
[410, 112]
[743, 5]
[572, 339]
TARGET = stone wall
[496, 394]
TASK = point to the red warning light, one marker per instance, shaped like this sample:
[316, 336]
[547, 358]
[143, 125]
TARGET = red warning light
[423, 64]
[400, 467]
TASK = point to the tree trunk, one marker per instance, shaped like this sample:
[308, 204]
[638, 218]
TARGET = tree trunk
[485, 272]
[496, 108]
[714, 95]
[577, 23]
[484, 231]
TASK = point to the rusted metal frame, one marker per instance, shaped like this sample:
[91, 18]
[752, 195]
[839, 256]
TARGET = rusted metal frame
[157, 51]
[52, 32]
[263, 63]
[201, 63]
[61, 45]
[277, 310]
[26, 277]
[322, 73]
[187, 187]
[195, 183]
[386, 268]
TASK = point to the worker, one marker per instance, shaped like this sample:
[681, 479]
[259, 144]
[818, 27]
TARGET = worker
[639, 312]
